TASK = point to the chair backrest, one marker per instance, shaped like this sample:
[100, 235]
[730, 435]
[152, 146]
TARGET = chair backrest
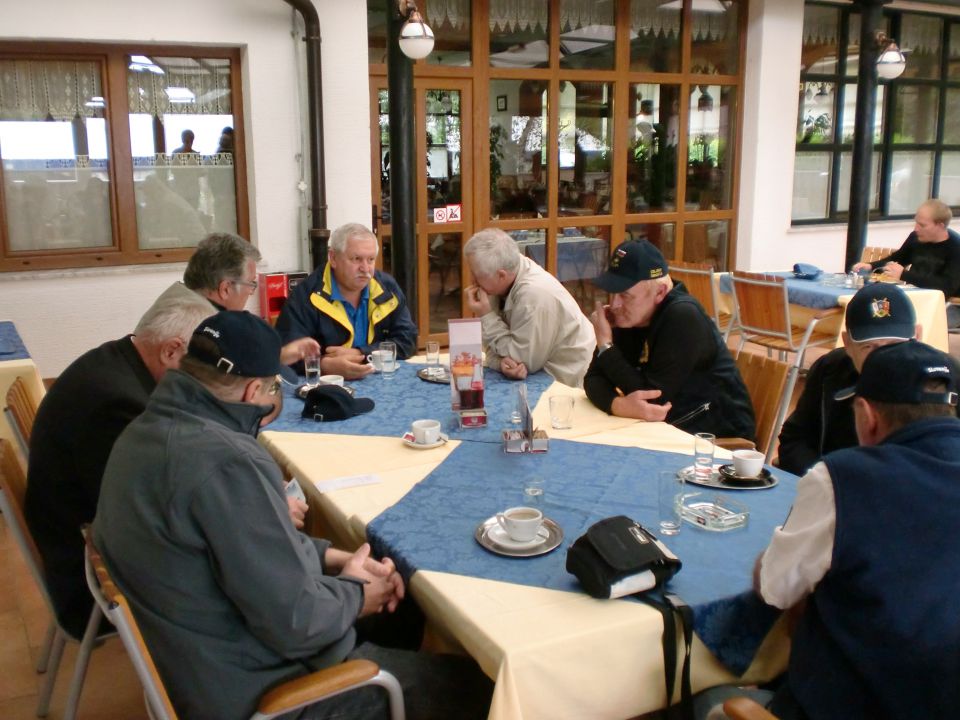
[766, 381]
[117, 610]
[698, 279]
[21, 411]
[872, 254]
[13, 489]
[762, 305]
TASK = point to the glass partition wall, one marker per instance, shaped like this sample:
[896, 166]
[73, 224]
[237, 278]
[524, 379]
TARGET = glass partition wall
[595, 121]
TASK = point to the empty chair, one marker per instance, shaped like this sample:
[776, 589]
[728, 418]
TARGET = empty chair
[285, 698]
[698, 278]
[21, 412]
[766, 381]
[872, 254]
[13, 485]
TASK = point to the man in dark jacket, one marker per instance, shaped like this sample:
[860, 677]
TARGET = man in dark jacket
[348, 306]
[655, 342]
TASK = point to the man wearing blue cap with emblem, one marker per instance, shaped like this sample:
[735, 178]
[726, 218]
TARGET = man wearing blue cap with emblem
[871, 546]
[659, 355]
[193, 524]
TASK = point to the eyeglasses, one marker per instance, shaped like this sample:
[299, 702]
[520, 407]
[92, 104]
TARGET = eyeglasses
[252, 284]
[275, 386]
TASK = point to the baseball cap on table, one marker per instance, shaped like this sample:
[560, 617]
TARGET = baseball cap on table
[880, 312]
[631, 262]
[897, 374]
[332, 402]
[237, 343]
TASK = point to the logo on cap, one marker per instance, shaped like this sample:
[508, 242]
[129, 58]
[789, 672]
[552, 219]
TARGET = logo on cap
[880, 308]
[655, 273]
[211, 331]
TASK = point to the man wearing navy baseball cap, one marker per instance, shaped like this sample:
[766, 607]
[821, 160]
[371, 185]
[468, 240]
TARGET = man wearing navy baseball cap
[879, 314]
[659, 355]
[871, 546]
[193, 523]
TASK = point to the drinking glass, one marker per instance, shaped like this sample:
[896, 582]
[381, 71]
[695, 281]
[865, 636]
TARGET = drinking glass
[389, 350]
[670, 494]
[311, 368]
[433, 358]
[561, 412]
[533, 492]
[519, 396]
[703, 448]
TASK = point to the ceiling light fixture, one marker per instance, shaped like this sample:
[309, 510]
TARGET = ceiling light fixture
[890, 61]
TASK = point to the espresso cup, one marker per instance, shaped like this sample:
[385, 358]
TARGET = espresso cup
[426, 432]
[376, 359]
[748, 463]
[521, 523]
[331, 380]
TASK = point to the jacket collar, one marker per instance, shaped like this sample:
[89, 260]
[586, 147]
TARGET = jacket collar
[181, 392]
[377, 293]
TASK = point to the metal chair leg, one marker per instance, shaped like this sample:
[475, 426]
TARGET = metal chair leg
[82, 662]
[46, 647]
[394, 693]
[43, 706]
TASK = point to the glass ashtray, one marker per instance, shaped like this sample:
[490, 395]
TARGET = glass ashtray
[717, 515]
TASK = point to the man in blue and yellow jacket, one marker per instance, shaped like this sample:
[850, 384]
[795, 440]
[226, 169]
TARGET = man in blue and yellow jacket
[348, 306]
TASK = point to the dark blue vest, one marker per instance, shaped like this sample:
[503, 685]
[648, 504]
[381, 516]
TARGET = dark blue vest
[880, 637]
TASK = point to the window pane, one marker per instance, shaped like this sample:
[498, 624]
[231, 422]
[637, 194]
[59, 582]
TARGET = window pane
[951, 120]
[911, 174]
[663, 236]
[582, 254]
[652, 159]
[920, 34]
[53, 141]
[531, 243]
[950, 178]
[586, 132]
[444, 184]
[706, 242]
[843, 188]
[716, 40]
[815, 119]
[953, 64]
[383, 116]
[518, 34]
[181, 134]
[518, 141]
[450, 22]
[821, 30]
[915, 117]
[445, 269]
[713, 112]
[849, 113]
[587, 34]
[811, 185]
[377, 30]
[655, 32]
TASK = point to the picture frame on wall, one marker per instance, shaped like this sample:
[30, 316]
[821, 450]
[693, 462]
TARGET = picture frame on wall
[501, 103]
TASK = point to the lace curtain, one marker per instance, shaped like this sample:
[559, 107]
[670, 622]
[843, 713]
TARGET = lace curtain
[49, 89]
[207, 80]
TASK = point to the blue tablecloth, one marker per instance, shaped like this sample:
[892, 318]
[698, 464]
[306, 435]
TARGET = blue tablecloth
[404, 398]
[11, 346]
[432, 528]
[809, 293]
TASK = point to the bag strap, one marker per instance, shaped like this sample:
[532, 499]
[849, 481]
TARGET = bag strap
[672, 607]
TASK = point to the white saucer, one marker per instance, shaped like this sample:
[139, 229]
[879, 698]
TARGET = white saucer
[410, 442]
[498, 535]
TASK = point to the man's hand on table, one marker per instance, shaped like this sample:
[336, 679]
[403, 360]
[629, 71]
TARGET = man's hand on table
[636, 405]
[601, 323]
[299, 349]
[478, 302]
[384, 586]
[513, 369]
[298, 511]
[349, 362]
[893, 269]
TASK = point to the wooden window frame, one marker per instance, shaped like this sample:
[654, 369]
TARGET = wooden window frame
[113, 60]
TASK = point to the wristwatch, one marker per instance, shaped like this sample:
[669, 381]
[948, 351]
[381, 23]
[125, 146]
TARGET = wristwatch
[603, 347]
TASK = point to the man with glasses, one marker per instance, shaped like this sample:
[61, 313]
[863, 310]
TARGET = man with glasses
[224, 270]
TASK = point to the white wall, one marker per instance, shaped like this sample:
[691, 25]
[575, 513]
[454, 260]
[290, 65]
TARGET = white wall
[61, 314]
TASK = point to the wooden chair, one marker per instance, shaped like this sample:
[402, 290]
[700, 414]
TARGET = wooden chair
[699, 279]
[13, 486]
[285, 698]
[872, 254]
[766, 381]
[743, 708]
[21, 412]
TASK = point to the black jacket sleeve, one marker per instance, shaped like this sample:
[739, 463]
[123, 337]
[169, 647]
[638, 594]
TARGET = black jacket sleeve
[801, 433]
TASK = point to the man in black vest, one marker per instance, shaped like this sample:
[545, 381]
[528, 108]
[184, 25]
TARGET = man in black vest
[656, 343]
[871, 546]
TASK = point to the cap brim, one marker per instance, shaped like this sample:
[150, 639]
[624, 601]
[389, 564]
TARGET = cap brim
[362, 405]
[903, 331]
[846, 393]
[613, 283]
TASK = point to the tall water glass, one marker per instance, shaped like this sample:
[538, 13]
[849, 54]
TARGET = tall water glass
[703, 449]
[670, 494]
[311, 369]
[433, 358]
[388, 348]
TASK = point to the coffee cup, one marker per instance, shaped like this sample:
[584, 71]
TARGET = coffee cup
[426, 432]
[376, 359]
[331, 380]
[521, 523]
[748, 463]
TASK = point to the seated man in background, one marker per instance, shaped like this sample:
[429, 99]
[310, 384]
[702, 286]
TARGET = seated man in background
[223, 269]
[871, 546]
[349, 306]
[193, 525]
[537, 324]
[879, 314]
[77, 423]
[655, 342]
[929, 257]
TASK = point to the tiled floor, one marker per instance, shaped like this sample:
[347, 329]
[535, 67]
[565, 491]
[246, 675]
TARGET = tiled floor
[111, 690]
